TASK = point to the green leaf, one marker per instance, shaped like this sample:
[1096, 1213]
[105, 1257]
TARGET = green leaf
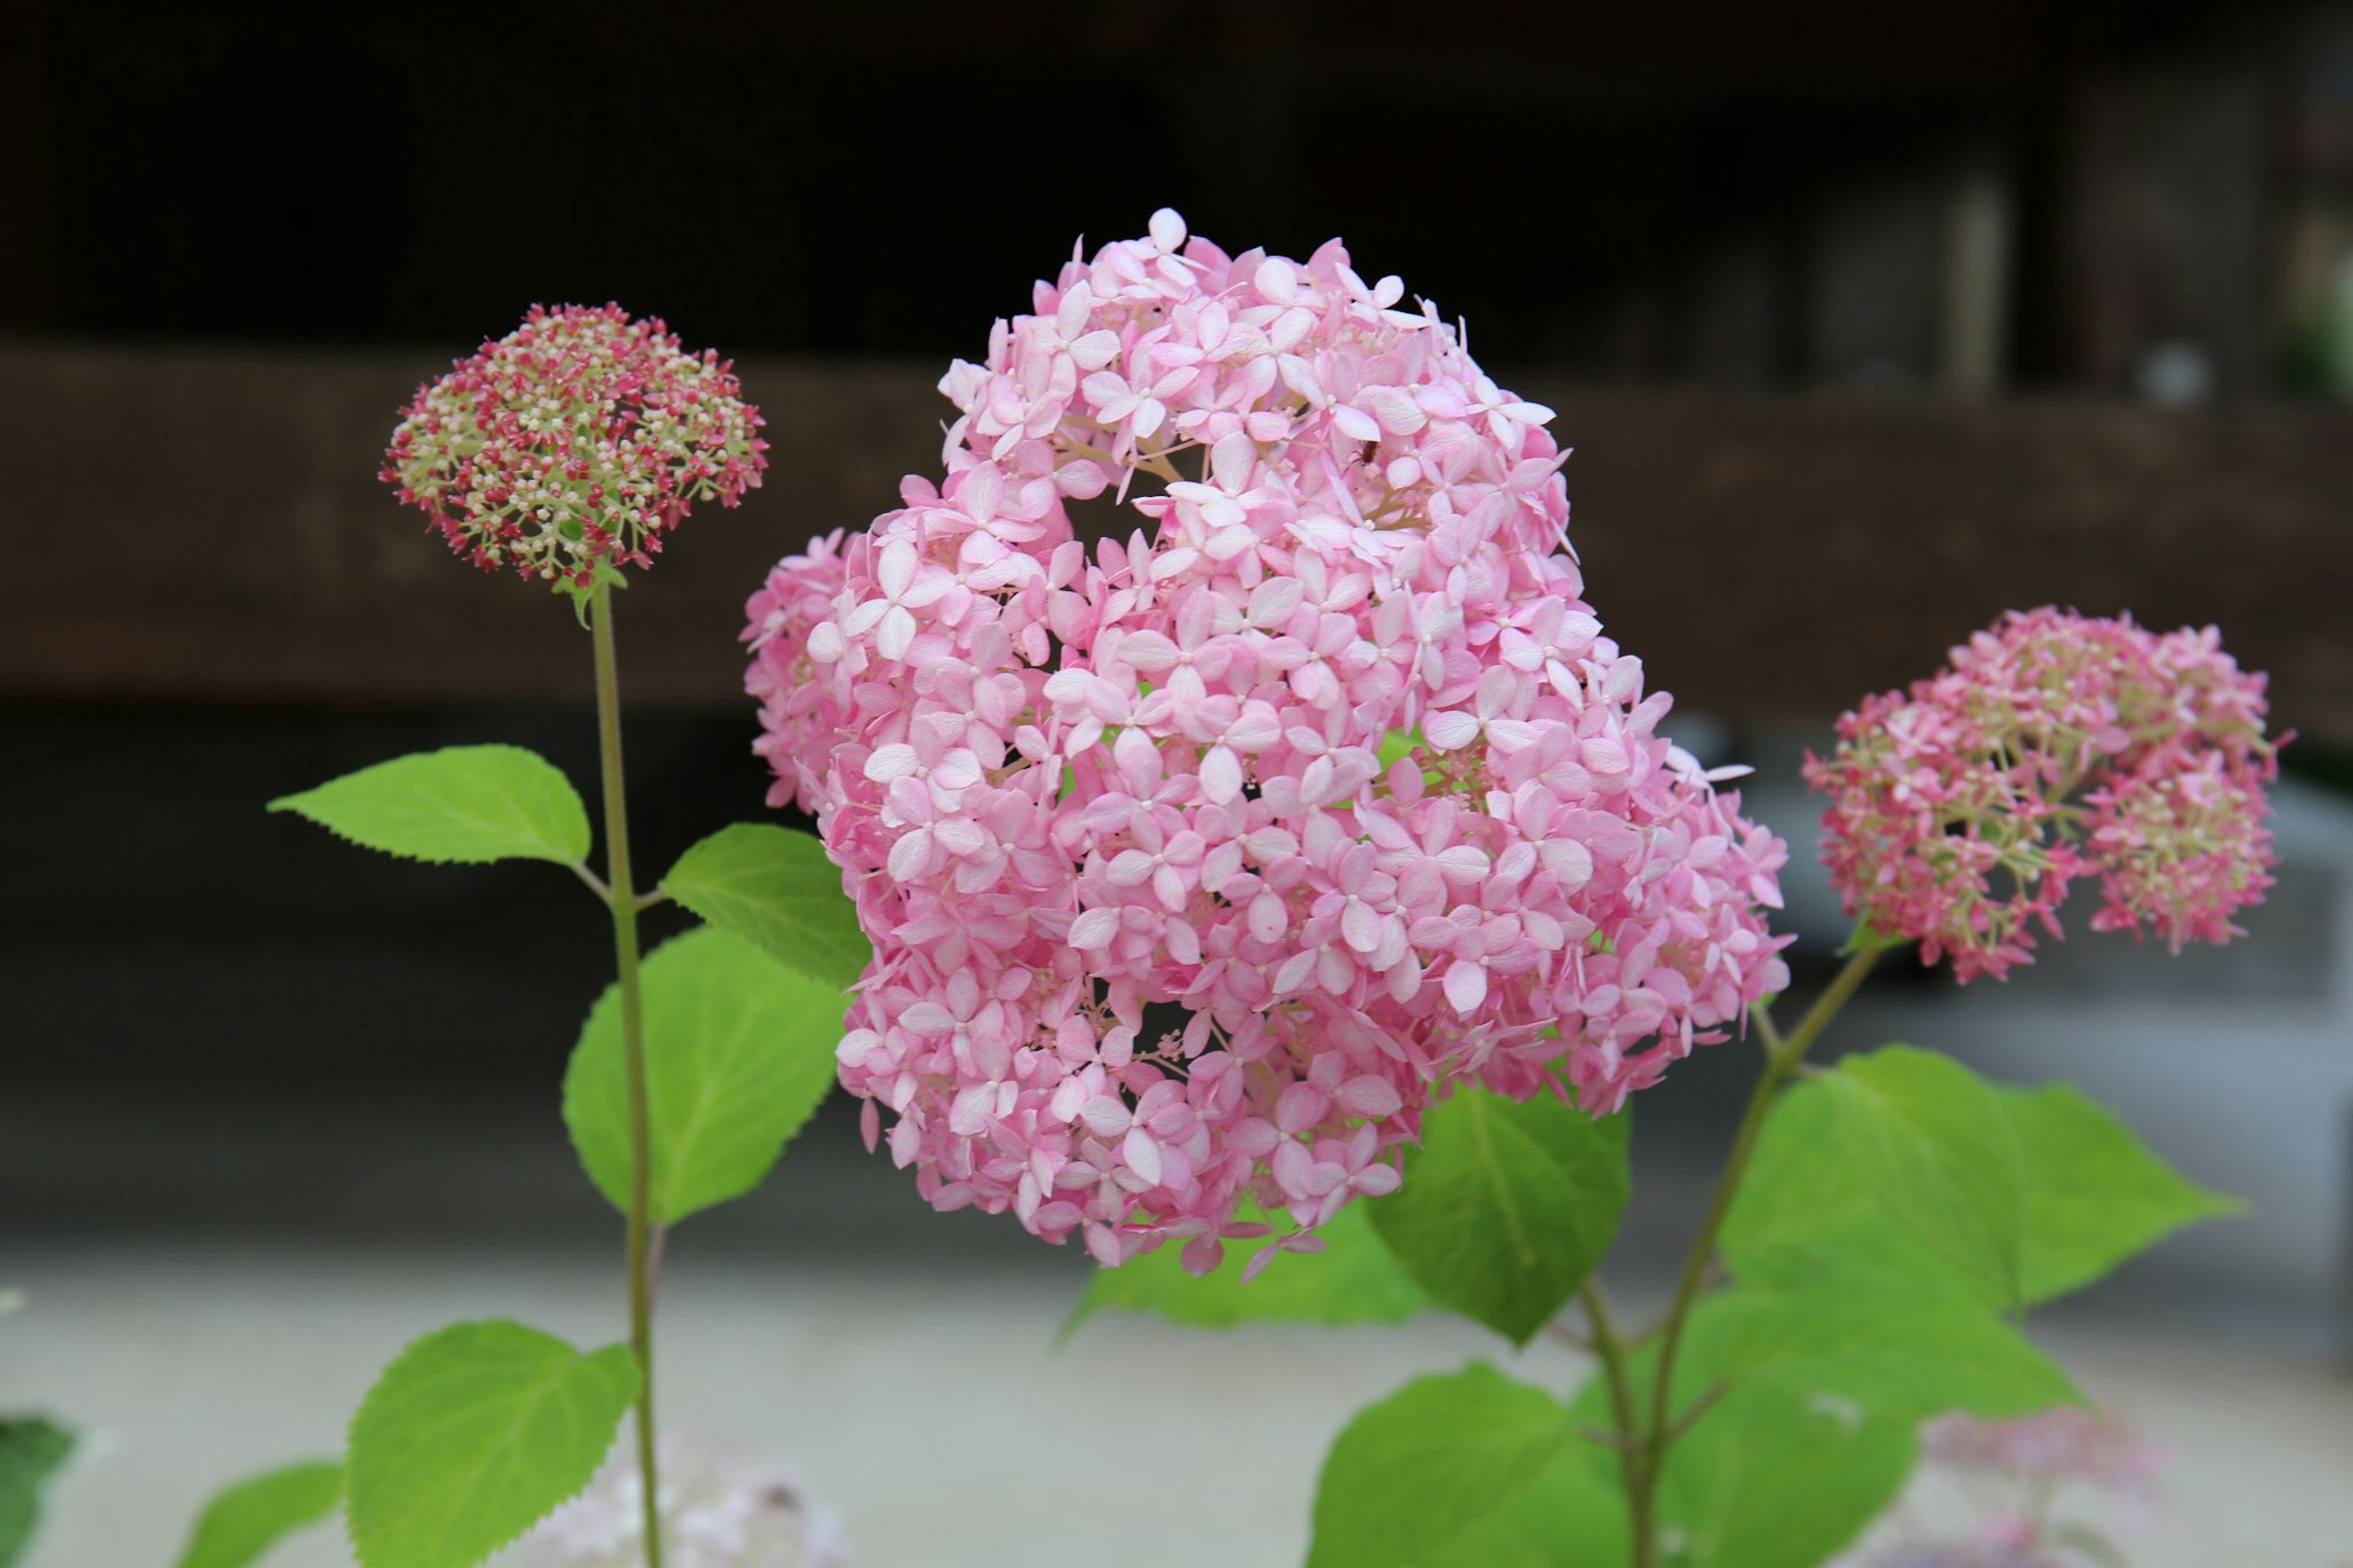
[1769, 1478]
[1928, 1139]
[31, 1450]
[1802, 1214]
[468, 804]
[739, 1051]
[245, 1520]
[1410, 1478]
[1573, 1516]
[775, 889]
[1352, 1280]
[471, 1436]
[1507, 1205]
[1903, 1355]
[2094, 1192]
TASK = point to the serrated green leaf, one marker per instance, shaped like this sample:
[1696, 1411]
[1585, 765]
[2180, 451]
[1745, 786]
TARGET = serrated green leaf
[246, 1520]
[1352, 1280]
[32, 1448]
[1927, 1137]
[2094, 1194]
[468, 804]
[775, 889]
[1507, 1205]
[471, 1436]
[1769, 1478]
[1410, 1478]
[739, 1052]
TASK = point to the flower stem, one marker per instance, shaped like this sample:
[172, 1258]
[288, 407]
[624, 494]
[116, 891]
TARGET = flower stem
[1610, 1347]
[621, 898]
[1781, 1062]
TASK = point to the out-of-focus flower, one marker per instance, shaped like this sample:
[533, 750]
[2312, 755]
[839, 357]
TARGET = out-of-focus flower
[717, 1511]
[2018, 1472]
[579, 438]
[2054, 746]
[1320, 750]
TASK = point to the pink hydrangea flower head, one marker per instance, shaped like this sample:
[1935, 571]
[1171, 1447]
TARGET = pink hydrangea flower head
[1201, 852]
[579, 440]
[2054, 746]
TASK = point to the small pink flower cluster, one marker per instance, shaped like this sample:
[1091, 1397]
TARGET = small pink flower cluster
[1327, 765]
[718, 1511]
[2065, 1444]
[580, 437]
[2054, 746]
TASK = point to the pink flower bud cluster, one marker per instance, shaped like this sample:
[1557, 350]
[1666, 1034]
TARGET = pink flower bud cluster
[1197, 864]
[2054, 746]
[578, 438]
[718, 1509]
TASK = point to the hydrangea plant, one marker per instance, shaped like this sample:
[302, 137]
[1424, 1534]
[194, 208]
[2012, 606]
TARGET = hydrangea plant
[1236, 833]
[568, 451]
[1294, 862]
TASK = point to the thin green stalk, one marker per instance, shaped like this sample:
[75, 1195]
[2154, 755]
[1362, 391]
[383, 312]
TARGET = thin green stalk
[1610, 1347]
[621, 898]
[1781, 1062]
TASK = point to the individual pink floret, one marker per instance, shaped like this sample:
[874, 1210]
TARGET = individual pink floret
[579, 438]
[1199, 859]
[2054, 746]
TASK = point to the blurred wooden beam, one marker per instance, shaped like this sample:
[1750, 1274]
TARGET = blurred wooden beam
[208, 527]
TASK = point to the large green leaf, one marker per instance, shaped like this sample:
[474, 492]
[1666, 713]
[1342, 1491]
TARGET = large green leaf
[247, 1519]
[1572, 1516]
[471, 1436]
[31, 1450]
[775, 889]
[467, 802]
[1903, 1355]
[1927, 1139]
[1507, 1205]
[2094, 1192]
[739, 1051]
[1352, 1280]
[1412, 1476]
[1771, 1478]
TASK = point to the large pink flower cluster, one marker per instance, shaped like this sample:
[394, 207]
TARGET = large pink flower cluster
[2054, 746]
[1198, 863]
[580, 437]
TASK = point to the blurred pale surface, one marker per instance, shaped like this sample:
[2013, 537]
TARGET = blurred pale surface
[934, 1410]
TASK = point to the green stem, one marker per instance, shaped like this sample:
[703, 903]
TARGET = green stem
[621, 898]
[1610, 1347]
[1781, 1062]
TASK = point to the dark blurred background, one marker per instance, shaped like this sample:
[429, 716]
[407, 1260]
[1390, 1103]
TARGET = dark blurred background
[1866, 323]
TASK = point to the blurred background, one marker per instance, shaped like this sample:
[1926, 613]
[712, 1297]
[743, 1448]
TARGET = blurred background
[1866, 324]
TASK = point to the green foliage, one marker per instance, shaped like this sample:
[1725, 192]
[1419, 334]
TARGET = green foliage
[1507, 1205]
[31, 1450]
[1927, 1139]
[739, 1052]
[1771, 1479]
[464, 803]
[775, 889]
[1352, 1280]
[1902, 1354]
[473, 1433]
[2094, 1194]
[246, 1520]
[1412, 1476]
[1572, 1516]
